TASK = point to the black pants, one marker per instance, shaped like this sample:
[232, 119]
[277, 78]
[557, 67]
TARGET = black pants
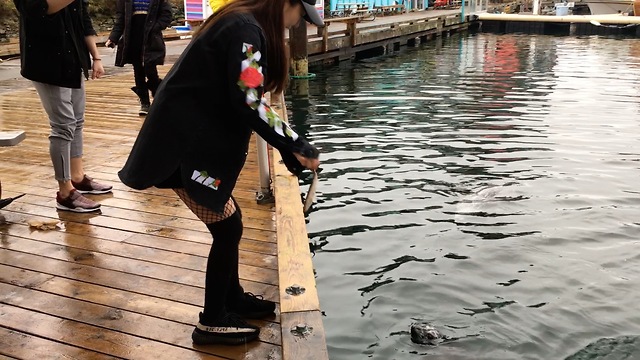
[145, 75]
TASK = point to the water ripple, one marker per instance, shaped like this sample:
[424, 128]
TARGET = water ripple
[487, 184]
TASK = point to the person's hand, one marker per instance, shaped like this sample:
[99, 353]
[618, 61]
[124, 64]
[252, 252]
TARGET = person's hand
[109, 44]
[97, 70]
[309, 163]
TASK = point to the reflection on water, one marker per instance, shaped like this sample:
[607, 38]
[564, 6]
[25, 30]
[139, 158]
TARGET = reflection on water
[487, 185]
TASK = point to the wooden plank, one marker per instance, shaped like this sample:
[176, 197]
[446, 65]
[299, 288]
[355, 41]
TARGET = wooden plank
[258, 229]
[186, 247]
[310, 344]
[176, 258]
[20, 345]
[92, 337]
[88, 256]
[202, 242]
[136, 302]
[121, 299]
[295, 265]
[131, 226]
[146, 200]
[294, 257]
[117, 320]
[179, 292]
[167, 203]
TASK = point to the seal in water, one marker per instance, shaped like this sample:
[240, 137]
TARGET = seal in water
[425, 333]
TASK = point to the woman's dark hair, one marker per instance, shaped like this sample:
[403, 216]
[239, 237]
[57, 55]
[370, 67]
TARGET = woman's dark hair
[270, 16]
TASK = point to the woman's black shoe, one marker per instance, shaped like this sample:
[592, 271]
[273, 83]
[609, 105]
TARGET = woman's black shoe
[252, 306]
[230, 329]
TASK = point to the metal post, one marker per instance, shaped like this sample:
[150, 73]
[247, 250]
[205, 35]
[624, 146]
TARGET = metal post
[264, 195]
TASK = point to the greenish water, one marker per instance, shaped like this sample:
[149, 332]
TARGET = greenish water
[487, 184]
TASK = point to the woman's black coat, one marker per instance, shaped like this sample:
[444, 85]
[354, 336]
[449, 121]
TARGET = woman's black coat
[158, 18]
[197, 132]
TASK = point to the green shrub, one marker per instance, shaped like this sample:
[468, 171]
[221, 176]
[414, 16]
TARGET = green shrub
[7, 9]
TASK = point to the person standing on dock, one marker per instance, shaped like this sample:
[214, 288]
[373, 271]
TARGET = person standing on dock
[138, 35]
[196, 138]
[56, 41]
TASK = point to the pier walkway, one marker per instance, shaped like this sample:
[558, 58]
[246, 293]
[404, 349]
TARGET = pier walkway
[128, 283]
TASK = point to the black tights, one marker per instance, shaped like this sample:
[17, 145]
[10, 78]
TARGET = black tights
[222, 283]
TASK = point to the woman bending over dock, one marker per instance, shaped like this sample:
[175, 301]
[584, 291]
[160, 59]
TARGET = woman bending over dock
[196, 137]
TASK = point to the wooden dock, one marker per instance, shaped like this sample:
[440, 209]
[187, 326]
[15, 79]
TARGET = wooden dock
[346, 38]
[560, 25]
[128, 283]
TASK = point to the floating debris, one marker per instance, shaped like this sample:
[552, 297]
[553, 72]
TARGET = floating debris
[44, 224]
[295, 290]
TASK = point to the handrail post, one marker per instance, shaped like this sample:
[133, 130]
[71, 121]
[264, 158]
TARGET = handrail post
[264, 195]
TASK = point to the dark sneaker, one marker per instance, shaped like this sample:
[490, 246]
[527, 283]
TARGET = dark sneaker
[144, 109]
[230, 330]
[88, 186]
[252, 306]
[76, 202]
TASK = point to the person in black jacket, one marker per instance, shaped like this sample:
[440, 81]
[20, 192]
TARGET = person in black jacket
[196, 137]
[56, 42]
[138, 35]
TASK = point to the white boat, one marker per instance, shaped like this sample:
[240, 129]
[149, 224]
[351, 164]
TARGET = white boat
[606, 7]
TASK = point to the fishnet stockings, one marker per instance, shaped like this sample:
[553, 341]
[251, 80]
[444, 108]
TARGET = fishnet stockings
[205, 214]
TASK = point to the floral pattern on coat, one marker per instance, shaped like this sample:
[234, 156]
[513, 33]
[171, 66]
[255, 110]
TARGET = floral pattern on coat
[251, 82]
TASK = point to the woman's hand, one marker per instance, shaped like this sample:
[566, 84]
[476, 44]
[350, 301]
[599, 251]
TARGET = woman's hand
[309, 163]
[109, 44]
[97, 70]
